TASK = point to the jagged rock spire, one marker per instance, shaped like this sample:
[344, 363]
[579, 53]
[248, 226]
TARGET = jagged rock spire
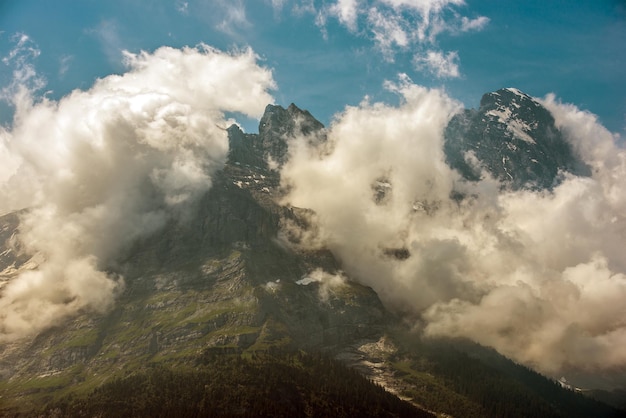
[275, 127]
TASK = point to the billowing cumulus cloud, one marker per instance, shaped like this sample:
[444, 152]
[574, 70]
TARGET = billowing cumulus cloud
[102, 167]
[540, 276]
[379, 164]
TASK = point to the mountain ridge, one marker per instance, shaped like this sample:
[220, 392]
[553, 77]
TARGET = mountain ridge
[226, 284]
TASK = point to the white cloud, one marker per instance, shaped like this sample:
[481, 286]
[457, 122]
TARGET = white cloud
[278, 5]
[227, 16]
[438, 64]
[427, 18]
[347, 12]
[328, 283]
[305, 7]
[425, 6]
[20, 60]
[10, 162]
[427, 14]
[397, 26]
[64, 64]
[24, 48]
[233, 16]
[476, 24]
[388, 32]
[394, 22]
[104, 166]
[367, 144]
[540, 276]
[182, 7]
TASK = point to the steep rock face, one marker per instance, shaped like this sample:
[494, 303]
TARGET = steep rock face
[514, 138]
[244, 148]
[278, 123]
[275, 128]
[11, 255]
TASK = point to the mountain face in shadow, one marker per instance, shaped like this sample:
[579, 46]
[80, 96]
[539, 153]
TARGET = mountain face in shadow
[513, 138]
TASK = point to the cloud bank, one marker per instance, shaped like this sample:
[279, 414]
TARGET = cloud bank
[102, 167]
[540, 276]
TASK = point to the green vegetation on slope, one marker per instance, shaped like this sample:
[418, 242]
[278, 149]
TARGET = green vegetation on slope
[276, 384]
[451, 376]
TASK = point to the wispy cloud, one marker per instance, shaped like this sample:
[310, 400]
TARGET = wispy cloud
[64, 64]
[182, 7]
[476, 24]
[303, 7]
[398, 26]
[439, 64]
[227, 16]
[388, 32]
[233, 16]
[20, 62]
[347, 12]
[424, 13]
[278, 5]
[107, 33]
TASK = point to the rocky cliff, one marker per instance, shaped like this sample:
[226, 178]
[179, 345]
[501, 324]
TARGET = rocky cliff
[512, 137]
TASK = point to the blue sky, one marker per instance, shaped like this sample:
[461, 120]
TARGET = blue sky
[329, 54]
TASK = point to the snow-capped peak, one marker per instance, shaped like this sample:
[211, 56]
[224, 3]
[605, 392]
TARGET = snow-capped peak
[518, 92]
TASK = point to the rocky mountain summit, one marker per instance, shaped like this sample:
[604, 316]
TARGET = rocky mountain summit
[514, 138]
[269, 146]
[226, 283]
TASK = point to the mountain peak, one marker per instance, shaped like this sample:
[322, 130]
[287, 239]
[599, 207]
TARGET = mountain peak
[509, 97]
[276, 126]
[517, 92]
[514, 138]
[278, 115]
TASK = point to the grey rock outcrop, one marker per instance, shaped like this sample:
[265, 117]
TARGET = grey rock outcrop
[276, 127]
[514, 138]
